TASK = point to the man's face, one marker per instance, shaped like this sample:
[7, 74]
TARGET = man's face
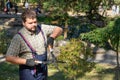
[30, 24]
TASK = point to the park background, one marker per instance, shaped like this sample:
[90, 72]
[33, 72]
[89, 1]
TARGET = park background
[91, 29]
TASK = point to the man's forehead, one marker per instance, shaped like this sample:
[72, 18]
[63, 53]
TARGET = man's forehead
[30, 19]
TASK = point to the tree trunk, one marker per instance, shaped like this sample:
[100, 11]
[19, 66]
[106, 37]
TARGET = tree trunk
[117, 68]
[117, 59]
[117, 51]
[66, 29]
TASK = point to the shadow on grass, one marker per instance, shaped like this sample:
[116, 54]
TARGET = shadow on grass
[8, 71]
[57, 76]
[115, 72]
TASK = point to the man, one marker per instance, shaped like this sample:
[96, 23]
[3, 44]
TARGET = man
[9, 6]
[29, 46]
[16, 8]
[37, 10]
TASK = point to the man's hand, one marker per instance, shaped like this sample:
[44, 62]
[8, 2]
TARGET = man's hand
[31, 62]
[50, 41]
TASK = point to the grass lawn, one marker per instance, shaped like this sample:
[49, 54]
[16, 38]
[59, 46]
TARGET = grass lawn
[100, 72]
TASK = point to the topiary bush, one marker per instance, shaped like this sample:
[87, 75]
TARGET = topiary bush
[75, 66]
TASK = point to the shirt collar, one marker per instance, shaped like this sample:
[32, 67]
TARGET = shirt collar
[31, 33]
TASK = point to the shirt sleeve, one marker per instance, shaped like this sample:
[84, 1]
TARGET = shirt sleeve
[48, 29]
[14, 47]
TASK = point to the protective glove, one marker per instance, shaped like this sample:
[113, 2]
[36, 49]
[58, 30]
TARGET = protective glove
[31, 62]
[50, 41]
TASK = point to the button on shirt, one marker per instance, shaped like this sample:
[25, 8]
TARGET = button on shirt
[18, 47]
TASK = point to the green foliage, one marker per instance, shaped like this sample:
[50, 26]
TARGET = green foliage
[60, 8]
[117, 1]
[99, 36]
[75, 65]
[4, 41]
[45, 20]
[76, 30]
[95, 37]
[17, 1]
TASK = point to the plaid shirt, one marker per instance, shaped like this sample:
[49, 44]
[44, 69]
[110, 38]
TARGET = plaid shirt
[18, 47]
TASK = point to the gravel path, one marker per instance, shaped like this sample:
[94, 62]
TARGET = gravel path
[109, 57]
[2, 58]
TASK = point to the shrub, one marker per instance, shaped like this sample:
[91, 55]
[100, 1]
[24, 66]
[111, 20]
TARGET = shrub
[75, 65]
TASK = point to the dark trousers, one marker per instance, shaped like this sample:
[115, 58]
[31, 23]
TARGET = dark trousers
[38, 72]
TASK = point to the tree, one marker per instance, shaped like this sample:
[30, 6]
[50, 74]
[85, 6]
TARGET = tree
[115, 41]
[60, 8]
[110, 35]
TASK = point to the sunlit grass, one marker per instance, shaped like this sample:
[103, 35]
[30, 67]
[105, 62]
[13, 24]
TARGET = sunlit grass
[101, 72]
